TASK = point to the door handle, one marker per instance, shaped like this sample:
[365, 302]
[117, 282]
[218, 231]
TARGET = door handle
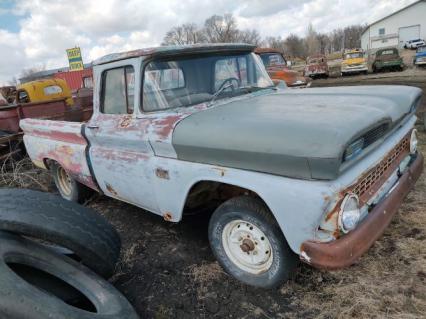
[92, 127]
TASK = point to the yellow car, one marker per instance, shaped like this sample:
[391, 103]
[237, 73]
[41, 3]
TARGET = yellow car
[354, 61]
[44, 90]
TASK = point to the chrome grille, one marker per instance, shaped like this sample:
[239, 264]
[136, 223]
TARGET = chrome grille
[369, 183]
[373, 135]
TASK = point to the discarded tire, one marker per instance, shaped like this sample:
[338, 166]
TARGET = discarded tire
[19, 299]
[50, 218]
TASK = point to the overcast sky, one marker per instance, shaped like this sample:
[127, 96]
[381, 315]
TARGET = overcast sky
[37, 32]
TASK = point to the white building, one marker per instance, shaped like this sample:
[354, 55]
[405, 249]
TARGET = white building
[406, 24]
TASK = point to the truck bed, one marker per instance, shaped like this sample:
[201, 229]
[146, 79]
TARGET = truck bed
[59, 141]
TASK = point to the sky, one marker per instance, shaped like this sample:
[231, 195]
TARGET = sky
[36, 33]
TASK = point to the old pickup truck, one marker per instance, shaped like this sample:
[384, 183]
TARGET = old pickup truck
[314, 174]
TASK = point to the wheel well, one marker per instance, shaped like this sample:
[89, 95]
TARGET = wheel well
[210, 194]
[48, 162]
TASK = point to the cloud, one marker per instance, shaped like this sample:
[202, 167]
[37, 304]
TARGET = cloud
[47, 28]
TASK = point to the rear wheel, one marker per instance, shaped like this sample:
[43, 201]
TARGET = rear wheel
[249, 244]
[67, 186]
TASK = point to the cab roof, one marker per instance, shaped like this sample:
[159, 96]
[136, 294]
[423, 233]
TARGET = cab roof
[176, 50]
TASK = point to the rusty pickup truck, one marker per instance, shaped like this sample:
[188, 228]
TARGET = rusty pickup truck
[314, 174]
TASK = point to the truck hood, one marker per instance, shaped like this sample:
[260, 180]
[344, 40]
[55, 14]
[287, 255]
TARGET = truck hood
[294, 133]
[291, 77]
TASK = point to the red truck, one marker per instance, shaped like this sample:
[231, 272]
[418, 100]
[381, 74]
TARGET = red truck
[44, 99]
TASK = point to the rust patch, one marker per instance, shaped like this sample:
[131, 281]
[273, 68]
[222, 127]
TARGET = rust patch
[162, 173]
[125, 122]
[371, 181]
[168, 216]
[111, 190]
[221, 170]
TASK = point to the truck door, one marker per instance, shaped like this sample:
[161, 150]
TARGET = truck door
[119, 152]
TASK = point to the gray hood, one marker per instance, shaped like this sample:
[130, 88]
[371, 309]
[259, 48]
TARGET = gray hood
[295, 133]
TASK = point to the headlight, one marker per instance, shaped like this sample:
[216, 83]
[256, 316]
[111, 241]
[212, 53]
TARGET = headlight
[413, 142]
[349, 214]
[353, 150]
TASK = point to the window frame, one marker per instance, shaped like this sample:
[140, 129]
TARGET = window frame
[103, 82]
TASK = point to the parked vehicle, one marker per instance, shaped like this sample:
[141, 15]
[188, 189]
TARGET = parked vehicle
[387, 59]
[43, 91]
[47, 99]
[276, 65]
[315, 173]
[316, 67]
[420, 58]
[354, 61]
[414, 44]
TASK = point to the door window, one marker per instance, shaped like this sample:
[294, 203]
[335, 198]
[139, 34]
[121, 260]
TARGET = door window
[118, 91]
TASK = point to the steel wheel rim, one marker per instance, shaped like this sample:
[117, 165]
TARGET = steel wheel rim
[247, 246]
[64, 181]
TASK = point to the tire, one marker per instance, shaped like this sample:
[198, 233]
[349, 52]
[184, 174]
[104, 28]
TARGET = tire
[246, 215]
[22, 300]
[48, 217]
[67, 186]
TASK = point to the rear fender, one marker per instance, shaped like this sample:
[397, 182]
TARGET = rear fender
[61, 142]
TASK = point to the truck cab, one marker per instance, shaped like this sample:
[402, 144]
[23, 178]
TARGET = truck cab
[313, 174]
[354, 61]
[43, 91]
[276, 65]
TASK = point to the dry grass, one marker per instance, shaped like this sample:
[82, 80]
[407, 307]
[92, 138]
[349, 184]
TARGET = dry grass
[203, 275]
[23, 174]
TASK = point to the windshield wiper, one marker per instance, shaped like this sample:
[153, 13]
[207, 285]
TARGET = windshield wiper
[253, 88]
[216, 94]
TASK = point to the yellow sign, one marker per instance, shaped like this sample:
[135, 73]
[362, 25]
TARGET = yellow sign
[74, 59]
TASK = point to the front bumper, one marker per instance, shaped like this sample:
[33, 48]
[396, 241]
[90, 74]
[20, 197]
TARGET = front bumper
[348, 249]
[387, 64]
[354, 69]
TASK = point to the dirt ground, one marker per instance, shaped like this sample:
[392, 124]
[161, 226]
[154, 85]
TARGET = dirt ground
[168, 270]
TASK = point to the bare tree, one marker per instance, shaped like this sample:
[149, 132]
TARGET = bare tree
[187, 33]
[221, 29]
[275, 43]
[225, 29]
[311, 40]
[249, 36]
[294, 46]
[323, 43]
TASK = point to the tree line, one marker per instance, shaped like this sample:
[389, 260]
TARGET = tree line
[224, 28]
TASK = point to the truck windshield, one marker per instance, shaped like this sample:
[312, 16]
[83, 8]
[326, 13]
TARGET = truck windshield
[271, 59]
[171, 83]
[421, 49]
[354, 55]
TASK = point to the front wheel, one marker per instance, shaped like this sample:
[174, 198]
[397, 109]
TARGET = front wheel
[249, 244]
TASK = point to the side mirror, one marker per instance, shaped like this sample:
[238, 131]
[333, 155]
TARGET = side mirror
[289, 63]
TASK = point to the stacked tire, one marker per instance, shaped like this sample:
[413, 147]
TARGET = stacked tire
[54, 258]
